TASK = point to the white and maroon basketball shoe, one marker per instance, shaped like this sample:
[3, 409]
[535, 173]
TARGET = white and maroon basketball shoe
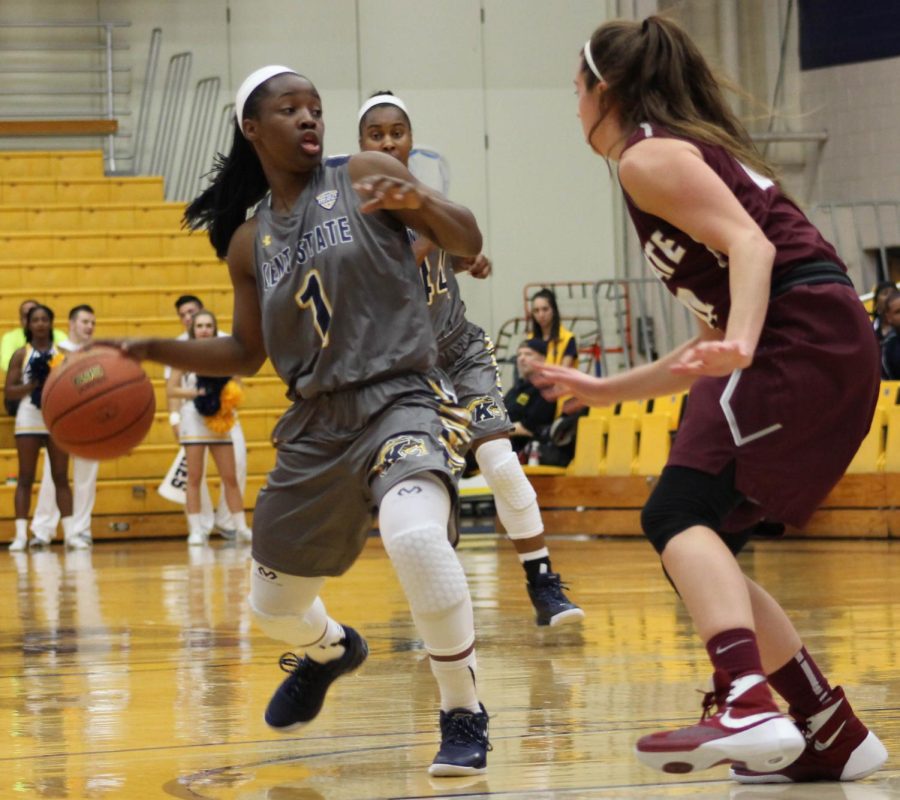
[747, 729]
[838, 748]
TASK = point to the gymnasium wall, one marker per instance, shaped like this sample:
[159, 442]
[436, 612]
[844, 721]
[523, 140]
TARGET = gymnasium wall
[494, 94]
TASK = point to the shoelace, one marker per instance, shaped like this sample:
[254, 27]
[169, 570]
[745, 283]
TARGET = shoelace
[709, 703]
[463, 730]
[300, 668]
[289, 662]
[552, 584]
[712, 702]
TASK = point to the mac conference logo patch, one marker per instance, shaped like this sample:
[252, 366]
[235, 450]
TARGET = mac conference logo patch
[327, 199]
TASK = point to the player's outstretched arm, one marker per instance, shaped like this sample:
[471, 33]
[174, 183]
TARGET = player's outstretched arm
[661, 377]
[384, 184]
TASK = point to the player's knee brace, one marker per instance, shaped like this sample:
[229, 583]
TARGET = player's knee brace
[664, 517]
[413, 521]
[435, 587]
[514, 496]
[685, 498]
[427, 567]
[287, 607]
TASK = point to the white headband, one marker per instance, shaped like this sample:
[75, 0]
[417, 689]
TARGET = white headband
[589, 59]
[250, 83]
[381, 100]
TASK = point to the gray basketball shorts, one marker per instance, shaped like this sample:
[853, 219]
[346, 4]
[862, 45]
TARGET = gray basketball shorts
[472, 368]
[339, 454]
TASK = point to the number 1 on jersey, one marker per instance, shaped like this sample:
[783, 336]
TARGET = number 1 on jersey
[312, 296]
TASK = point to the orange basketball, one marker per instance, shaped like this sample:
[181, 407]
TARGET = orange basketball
[98, 404]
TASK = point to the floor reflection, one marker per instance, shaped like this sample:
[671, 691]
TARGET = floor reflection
[134, 671]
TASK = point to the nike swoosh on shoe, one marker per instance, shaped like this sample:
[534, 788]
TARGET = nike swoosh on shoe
[736, 723]
[820, 746]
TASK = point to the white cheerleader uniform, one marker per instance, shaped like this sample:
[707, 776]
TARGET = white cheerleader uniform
[29, 419]
[193, 428]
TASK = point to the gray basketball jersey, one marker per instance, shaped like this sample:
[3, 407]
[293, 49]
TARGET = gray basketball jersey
[340, 294]
[448, 312]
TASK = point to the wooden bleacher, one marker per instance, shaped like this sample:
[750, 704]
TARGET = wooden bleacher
[620, 451]
[69, 235]
[93, 126]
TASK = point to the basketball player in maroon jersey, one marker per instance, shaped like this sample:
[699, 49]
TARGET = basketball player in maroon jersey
[783, 377]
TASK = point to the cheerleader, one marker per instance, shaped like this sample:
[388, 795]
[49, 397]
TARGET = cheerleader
[28, 371]
[207, 416]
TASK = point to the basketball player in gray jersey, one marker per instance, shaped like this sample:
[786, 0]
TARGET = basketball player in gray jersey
[466, 354]
[325, 284]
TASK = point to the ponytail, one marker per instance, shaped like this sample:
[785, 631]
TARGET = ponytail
[238, 183]
[655, 73]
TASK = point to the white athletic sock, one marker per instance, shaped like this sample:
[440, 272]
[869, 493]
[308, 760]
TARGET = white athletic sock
[534, 555]
[330, 646]
[21, 529]
[456, 680]
[68, 526]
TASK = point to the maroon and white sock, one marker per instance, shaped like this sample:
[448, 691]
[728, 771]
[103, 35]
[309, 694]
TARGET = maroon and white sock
[802, 684]
[735, 652]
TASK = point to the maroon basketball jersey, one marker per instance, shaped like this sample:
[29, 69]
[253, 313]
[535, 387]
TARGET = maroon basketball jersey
[697, 275]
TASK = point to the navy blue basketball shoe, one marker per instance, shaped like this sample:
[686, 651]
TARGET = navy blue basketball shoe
[464, 744]
[551, 605]
[300, 697]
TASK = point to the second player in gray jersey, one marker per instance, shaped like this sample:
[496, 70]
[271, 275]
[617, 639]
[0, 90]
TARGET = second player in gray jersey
[466, 354]
[325, 285]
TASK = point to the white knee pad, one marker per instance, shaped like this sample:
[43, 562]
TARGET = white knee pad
[514, 496]
[287, 607]
[413, 522]
[426, 565]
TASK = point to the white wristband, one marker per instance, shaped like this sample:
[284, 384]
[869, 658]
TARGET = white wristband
[174, 418]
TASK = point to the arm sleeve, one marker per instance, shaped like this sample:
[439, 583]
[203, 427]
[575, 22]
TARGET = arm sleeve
[571, 348]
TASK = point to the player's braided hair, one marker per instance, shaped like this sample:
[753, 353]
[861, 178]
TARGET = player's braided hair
[238, 184]
[655, 73]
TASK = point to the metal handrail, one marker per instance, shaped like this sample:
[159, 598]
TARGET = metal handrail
[225, 134]
[881, 245]
[195, 158]
[174, 89]
[140, 129]
[106, 26]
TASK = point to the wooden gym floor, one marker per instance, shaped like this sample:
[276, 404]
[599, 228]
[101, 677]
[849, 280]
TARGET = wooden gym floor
[135, 672]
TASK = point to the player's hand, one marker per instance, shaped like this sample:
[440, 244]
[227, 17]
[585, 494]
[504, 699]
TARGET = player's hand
[555, 382]
[387, 193]
[477, 266]
[138, 349]
[713, 359]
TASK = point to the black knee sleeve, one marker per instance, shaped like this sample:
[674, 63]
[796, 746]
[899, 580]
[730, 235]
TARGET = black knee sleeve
[686, 497]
